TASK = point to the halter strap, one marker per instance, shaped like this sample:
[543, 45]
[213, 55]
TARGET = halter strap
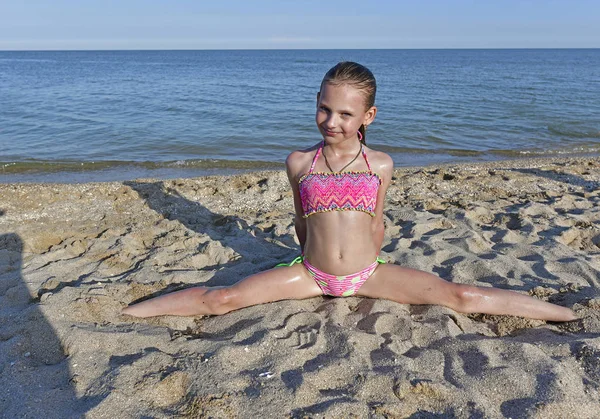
[312, 166]
[319, 151]
[362, 147]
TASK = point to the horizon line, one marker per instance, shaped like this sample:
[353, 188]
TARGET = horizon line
[288, 49]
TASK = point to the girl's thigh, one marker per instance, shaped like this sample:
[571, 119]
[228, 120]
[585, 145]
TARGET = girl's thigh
[283, 283]
[408, 286]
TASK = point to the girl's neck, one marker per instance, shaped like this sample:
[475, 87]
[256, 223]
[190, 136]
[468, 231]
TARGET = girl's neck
[343, 148]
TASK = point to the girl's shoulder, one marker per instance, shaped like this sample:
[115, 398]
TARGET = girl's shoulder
[380, 162]
[300, 160]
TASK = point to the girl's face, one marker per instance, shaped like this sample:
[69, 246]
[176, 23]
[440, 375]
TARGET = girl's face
[341, 111]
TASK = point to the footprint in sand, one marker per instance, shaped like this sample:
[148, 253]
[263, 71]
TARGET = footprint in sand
[148, 377]
[585, 237]
[480, 215]
[432, 227]
[402, 213]
[301, 330]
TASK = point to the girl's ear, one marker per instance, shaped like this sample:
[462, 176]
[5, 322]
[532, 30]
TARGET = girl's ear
[370, 115]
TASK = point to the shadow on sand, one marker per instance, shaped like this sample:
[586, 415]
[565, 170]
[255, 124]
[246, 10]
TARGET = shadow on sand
[259, 247]
[35, 378]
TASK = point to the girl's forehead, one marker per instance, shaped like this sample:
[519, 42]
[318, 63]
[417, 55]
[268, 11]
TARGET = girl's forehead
[342, 93]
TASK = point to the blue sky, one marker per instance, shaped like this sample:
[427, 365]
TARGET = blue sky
[197, 24]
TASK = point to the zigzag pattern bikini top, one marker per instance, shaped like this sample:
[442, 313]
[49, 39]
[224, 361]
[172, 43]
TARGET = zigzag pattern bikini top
[339, 191]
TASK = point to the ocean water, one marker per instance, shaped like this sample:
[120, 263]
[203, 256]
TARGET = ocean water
[104, 115]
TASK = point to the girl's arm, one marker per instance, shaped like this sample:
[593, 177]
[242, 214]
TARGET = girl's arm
[299, 220]
[385, 169]
[300, 225]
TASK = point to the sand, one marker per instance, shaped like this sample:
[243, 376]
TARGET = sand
[72, 255]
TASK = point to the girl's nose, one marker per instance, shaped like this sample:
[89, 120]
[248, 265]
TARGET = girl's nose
[331, 121]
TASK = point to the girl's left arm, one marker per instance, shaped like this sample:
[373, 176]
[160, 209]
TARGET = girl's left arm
[384, 169]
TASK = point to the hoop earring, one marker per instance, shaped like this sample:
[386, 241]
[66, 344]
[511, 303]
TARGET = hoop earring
[360, 137]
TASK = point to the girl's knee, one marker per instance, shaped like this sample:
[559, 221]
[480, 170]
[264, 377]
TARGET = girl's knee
[219, 301]
[465, 298]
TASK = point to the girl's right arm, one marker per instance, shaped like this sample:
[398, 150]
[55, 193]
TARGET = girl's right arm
[291, 164]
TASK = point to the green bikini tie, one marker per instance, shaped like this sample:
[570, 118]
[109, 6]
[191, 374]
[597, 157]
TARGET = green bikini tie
[299, 259]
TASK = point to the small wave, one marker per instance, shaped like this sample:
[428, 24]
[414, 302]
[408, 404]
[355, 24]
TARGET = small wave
[574, 132]
[414, 150]
[571, 151]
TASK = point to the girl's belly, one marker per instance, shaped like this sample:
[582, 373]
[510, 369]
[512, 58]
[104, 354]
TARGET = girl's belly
[340, 242]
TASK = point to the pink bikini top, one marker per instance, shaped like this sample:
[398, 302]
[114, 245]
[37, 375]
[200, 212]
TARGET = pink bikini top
[339, 191]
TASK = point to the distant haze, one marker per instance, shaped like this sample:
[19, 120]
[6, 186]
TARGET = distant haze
[312, 24]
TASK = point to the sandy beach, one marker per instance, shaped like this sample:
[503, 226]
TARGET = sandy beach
[73, 255]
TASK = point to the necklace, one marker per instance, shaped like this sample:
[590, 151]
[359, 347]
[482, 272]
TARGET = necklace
[342, 169]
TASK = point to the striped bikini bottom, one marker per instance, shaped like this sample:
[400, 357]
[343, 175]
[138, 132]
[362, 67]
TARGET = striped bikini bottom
[337, 286]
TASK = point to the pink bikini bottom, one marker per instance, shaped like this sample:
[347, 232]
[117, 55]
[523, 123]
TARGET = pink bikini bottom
[337, 286]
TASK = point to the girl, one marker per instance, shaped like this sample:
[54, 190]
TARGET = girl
[339, 188]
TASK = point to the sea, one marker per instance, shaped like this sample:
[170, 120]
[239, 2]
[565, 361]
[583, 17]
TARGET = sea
[82, 116]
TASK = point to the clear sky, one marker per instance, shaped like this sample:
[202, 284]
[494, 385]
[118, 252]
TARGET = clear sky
[266, 24]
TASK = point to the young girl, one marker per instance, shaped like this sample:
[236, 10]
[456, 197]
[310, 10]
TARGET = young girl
[339, 188]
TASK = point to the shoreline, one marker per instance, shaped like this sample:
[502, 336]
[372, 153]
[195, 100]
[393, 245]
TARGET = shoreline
[125, 172]
[72, 255]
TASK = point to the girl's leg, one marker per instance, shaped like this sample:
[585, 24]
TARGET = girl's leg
[276, 284]
[411, 286]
